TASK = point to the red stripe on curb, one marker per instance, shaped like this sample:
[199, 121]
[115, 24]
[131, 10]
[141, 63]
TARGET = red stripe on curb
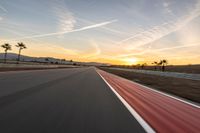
[162, 113]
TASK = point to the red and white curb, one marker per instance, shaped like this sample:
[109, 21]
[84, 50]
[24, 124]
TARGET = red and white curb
[140, 120]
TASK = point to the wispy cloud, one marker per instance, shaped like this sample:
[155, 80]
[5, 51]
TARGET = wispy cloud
[154, 51]
[62, 50]
[65, 32]
[167, 9]
[177, 47]
[157, 32]
[181, 57]
[89, 54]
[66, 19]
[147, 35]
[93, 52]
[3, 9]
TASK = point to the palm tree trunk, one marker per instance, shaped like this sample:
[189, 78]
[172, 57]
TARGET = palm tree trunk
[5, 56]
[18, 59]
[163, 67]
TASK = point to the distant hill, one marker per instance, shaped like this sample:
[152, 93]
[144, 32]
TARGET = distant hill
[13, 56]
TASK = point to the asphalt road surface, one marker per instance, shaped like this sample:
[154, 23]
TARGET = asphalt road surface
[73, 100]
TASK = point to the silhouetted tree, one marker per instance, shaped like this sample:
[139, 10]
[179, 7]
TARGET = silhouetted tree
[160, 64]
[138, 66]
[46, 59]
[143, 65]
[164, 63]
[155, 63]
[62, 61]
[21, 46]
[7, 47]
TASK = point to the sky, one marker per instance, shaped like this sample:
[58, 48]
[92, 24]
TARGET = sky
[108, 31]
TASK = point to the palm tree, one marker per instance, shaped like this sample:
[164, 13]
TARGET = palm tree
[7, 47]
[138, 66]
[143, 65]
[164, 63]
[155, 63]
[21, 46]
[160, 64]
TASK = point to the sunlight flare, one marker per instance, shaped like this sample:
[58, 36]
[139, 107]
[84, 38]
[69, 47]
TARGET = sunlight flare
[130, 61]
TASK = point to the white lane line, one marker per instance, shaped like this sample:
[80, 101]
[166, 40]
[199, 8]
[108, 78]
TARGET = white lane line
[141, 121]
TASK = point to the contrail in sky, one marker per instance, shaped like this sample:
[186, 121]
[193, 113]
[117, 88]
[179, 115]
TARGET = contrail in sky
[65, 32]
[3, 9]
[157, 32]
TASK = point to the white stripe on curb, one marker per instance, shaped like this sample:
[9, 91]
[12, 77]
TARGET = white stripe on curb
[141, 121]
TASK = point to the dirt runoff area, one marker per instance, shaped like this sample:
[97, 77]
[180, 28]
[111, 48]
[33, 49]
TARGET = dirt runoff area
[185, 88]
